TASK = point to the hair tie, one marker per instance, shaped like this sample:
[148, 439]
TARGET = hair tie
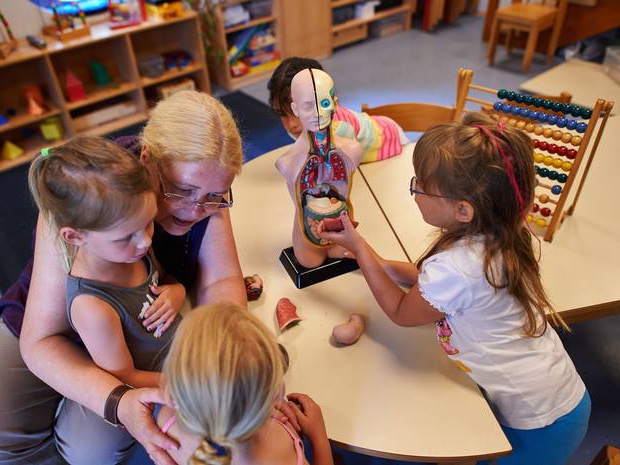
[218, 450]
[45, 151]
[501, 125]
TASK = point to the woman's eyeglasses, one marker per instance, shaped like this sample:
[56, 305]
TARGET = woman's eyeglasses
[413, 189]
[212, 199]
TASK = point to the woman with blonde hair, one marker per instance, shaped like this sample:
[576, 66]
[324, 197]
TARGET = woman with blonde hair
[224, 372]
[192, 151]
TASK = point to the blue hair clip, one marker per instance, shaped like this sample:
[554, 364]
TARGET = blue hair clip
[45, 151]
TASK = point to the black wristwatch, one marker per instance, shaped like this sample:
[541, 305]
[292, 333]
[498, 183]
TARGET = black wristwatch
[110, 411]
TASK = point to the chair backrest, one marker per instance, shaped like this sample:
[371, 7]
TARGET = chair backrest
[414, 117]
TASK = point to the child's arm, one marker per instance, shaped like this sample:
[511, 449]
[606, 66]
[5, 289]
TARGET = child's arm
[100, 328]
[402, 272]
[170, 296]
[404, 309]
[310, 419]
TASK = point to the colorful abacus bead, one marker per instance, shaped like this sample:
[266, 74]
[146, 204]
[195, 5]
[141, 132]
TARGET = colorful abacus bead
[557, 135]
[529, 127]
[497, 106]
[548, 132]
[557, 162]
[538, 130]
[562, 150]
[548, 160]
[545, 211]
[562, 178]
[567, 165]
[571, 154]
[567, 137]
[553, 175]
[571, 124]
[538, 157]
[586, 113]
[575, 140]
[521, 124]
[552, 148]
[541, 222]
[561, 122]
[552, 119]
[535, 207]
[543, 172]
[529, 218]
[502, 93]
[581, 127]
[544, 145]
[557, 190]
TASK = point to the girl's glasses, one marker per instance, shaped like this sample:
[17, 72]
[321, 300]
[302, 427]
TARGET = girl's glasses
[413, 189]
[212, 199]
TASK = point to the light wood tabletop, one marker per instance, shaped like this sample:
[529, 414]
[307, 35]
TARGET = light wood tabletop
[579, 269]
[585, 80]
[392, 394]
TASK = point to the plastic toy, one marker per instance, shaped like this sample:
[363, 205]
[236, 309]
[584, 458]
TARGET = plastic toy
[8, 43]
[10, 151]
[100, 73]
[164, 9]
[177, 59]
[151, 65]
[348, 333]
[34, 108]
[51, 129]
[66, 25]
[318, 168]
[124, 13]
[286, 314]
[3, 119]
[75, 88]
[166, 90]
[253, 287]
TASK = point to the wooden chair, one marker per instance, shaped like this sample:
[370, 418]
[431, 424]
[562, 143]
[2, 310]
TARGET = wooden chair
[531, 18]
[609, 455]
[414, 117]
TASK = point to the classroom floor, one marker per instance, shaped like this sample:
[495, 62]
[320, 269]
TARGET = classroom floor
[422, 67]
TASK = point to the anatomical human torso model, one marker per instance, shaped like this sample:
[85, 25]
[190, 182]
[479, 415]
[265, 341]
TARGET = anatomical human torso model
[318, 168]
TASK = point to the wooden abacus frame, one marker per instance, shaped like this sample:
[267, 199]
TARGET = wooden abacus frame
[600, 111]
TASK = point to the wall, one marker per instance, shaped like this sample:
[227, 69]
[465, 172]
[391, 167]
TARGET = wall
[23, 17]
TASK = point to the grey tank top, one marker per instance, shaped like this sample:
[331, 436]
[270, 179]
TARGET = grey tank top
[147, 349]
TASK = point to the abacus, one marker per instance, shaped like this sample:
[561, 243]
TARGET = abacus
[561, 134]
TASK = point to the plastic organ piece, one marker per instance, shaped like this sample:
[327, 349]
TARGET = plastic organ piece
[348, 333]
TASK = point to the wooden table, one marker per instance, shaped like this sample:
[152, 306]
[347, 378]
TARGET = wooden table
[579, 269]
[587, 82]
[394, 393]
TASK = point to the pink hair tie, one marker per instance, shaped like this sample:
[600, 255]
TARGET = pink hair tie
[501, 125]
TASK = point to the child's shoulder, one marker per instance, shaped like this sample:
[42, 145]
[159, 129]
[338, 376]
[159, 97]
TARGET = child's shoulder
[273, 445]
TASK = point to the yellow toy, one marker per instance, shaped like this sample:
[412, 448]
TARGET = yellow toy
[51, 129]
[10, 151]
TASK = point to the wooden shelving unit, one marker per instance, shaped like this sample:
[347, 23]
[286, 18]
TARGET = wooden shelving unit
[219, 58]
[357, 29]
[119, 51]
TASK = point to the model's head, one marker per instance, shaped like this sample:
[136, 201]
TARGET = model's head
[313, 98]
[90, 185]
[192, 148]
[223, 372]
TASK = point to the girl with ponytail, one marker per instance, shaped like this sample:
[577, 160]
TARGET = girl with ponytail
[223, 374]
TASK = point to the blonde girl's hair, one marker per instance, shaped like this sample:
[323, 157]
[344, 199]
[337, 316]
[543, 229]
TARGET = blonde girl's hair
[193, 126]
[492, 168]
[224, 370]
[88, 183]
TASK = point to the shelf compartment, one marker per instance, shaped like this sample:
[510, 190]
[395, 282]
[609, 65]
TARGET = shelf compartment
[406, 8]
[170, 75]
[102, 94]
[31, 147]
[254, 22]
[24, 119]
[254, 76]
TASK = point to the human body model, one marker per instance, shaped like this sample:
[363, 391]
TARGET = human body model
[318, 167]
[480, 284]
[224, 374]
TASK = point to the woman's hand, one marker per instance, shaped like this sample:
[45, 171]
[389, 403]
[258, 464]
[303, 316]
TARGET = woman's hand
[308, 415]
[135, 414]
[163, 311]
[348, 238]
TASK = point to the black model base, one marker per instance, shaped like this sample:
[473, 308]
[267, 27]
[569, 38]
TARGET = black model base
[304, 277]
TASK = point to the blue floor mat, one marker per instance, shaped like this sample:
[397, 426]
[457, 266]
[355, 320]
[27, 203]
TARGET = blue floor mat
[259, 127]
